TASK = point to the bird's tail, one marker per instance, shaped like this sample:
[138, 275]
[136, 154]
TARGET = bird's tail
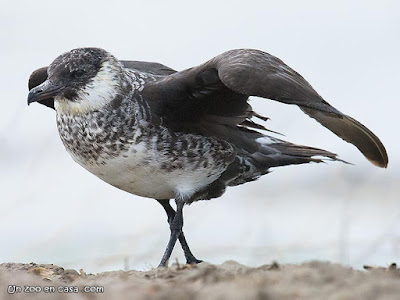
[271, 152]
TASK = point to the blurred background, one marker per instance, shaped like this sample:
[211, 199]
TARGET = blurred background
[54, 211]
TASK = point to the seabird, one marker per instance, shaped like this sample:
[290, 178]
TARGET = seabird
[158, 133]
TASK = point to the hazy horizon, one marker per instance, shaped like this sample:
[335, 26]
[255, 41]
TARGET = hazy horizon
[54, 211]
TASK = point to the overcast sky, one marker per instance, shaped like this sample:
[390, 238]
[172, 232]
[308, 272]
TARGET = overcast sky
[347, 50]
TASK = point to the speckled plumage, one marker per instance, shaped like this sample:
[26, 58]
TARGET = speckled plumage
[120, 138]
[110, 144]
[158, 133]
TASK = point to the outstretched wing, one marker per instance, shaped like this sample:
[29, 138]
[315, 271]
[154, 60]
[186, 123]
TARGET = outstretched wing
[148, 67]
[221, 86]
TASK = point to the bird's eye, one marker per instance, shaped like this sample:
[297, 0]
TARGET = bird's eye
[77, 73]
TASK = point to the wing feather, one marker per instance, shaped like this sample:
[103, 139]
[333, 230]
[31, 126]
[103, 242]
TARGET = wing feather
[251, 72]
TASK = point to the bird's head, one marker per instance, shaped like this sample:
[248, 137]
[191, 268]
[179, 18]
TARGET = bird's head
[79, 81]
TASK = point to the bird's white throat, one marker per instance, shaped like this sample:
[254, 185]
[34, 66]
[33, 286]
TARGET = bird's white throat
[98, 92]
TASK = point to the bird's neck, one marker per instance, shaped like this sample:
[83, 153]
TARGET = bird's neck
[108, 84]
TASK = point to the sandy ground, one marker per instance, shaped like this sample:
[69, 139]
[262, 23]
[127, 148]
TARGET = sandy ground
[230, 280]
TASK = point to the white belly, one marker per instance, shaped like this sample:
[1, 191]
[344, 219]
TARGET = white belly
[144, 160]
[141, 172]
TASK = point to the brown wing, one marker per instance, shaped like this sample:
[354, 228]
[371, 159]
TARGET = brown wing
[221, 86]
[38, 77]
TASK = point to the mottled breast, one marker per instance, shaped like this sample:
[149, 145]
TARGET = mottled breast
[129, 152]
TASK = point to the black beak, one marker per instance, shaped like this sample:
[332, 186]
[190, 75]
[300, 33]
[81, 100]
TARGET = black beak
[46, 91]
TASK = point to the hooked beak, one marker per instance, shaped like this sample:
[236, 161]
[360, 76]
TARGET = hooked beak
[47, 90]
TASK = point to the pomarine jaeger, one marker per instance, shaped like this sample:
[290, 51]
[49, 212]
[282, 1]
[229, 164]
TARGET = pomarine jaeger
[158, 133]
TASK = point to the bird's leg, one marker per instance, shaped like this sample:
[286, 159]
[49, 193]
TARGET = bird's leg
[176, 229]
[190, 258]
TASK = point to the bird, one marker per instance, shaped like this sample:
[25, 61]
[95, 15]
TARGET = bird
[185, 136]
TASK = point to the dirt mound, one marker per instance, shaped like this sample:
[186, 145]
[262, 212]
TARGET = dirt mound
[230, 280]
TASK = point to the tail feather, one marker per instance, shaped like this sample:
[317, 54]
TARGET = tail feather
[311, 153]
[272, 152]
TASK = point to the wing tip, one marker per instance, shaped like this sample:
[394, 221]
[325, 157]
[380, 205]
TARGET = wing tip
[37, 77]
[382, 162]
[355, 133]
[376, 151]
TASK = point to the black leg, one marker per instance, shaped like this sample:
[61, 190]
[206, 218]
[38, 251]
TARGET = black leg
[176, 229]
[190, 258]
